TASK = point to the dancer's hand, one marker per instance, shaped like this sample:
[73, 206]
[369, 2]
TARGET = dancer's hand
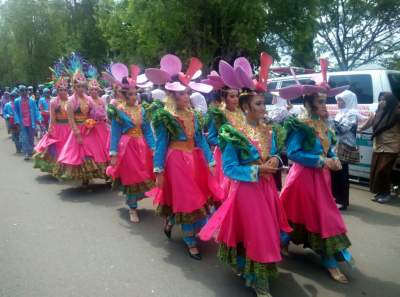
[338, 165]
[273, 162]
[159, 180]
[333, 164]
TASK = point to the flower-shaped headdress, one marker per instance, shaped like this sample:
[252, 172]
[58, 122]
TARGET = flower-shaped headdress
[170, 74]
[321, 86]
[240, 76]
[118, 74]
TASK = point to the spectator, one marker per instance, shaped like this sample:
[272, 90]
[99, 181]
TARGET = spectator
[345, 125]
[386, 145]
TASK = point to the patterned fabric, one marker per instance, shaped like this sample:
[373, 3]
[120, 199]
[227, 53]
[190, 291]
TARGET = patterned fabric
[27, 135]
[348, 154]
[135, 189]
[182, 218]
[257, 275]
[44, 161]
[327, 246]
[87, 171]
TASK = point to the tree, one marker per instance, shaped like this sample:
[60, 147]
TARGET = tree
[357, 32]
[33, 39]
[293, 26]
[81, 23]
[145, 30]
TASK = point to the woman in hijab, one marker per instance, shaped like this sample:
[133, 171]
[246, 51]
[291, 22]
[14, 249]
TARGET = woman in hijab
[345, 125]
[386, 145]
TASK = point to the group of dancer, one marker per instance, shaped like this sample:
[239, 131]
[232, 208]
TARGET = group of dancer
[212, 175]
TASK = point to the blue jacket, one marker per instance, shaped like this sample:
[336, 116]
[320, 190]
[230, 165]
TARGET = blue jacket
[43, 102]
[118, 128]
[34, 110]
[8, 111]
[308, 158]
[212, 136]
[241, 167]
[163, 138]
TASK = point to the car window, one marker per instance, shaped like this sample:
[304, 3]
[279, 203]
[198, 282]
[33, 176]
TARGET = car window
[394, 80]
[268, 96]
[360, 84]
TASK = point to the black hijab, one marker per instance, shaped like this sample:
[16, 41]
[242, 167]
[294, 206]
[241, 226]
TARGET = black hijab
[387, 116]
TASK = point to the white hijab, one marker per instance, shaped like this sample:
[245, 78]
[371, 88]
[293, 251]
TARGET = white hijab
[350, 108]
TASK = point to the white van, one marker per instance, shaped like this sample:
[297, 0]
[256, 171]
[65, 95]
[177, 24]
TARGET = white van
[367, 85]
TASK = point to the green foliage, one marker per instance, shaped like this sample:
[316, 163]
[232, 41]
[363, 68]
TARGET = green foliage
[34, 33]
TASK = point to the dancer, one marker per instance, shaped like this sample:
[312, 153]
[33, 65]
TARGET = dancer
[49, 147]
[227, 112]
[182, 159]
[98, 111]
[249, 224]
[311, 209]
[83, 156]
[132, 142]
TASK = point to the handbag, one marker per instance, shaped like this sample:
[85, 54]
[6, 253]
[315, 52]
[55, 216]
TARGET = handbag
[348, 154]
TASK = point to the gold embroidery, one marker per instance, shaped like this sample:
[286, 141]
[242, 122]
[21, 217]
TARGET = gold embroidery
[235, 118]
[83, 105]
[61, 112]
[184, 145]
[135, 114]
[321, 130]
[186, 120]
[260, 136]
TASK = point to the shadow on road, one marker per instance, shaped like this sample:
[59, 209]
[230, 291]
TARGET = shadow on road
[97, 194]
[210, 272]
[47, 179]
[373, 216]
[307, 264]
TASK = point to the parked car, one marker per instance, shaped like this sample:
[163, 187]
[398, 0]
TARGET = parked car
[367, 84]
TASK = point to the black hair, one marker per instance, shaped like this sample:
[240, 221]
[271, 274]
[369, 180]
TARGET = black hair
[309, 101]
[245, 98]
[225, 91]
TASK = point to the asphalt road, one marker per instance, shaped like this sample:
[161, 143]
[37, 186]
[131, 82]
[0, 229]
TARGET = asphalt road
[59, 240]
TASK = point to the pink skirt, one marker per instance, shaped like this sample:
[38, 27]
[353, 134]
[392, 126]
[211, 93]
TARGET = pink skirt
[92, 147]
[135, 162]
[253, 216]
[56, 139]
[188, 182]
[103, 132]
[222, 180]
[307, 200]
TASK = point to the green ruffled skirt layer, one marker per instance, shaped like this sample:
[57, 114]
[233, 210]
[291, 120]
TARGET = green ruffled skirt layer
[135, 189]
[180, 217]
[44, 162]
[84, 172]
[256, 275]
[327, 246]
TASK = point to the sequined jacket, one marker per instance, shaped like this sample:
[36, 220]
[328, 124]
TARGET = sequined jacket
[123, 124]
